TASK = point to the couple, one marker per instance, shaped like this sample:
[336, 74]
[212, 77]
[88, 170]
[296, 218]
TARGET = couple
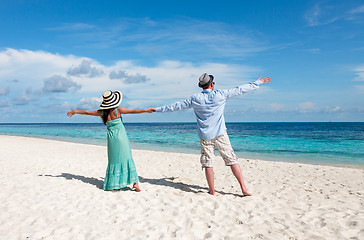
[208, 106]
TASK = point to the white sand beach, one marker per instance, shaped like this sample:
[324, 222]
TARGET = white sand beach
[53, 190]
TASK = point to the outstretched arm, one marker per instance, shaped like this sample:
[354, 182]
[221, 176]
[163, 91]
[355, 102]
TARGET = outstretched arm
[246, 87]
[135, 111]
[185, 104]
[84, 112]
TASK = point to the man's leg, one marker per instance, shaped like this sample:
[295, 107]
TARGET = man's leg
[207, 155]
[209, 172]
[235, 168]
[223, 144]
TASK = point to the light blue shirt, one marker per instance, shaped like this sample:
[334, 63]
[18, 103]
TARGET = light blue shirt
[209, 108]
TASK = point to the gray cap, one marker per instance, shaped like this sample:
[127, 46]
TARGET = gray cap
[205, 80]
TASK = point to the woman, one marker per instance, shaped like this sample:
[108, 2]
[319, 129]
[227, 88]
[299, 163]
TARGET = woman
[121, 169]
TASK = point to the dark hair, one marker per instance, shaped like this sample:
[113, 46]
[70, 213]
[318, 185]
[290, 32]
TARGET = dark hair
[105, 114]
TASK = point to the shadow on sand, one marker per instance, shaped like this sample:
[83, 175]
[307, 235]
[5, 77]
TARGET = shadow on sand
[90, 180]
[168, 182]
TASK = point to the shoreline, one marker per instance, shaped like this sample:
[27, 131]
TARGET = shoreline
[53, 189]
[355, 166]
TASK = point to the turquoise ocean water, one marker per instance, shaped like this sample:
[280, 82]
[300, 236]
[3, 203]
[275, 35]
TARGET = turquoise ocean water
[314, 143]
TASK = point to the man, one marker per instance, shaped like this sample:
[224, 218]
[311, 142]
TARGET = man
[209, 110]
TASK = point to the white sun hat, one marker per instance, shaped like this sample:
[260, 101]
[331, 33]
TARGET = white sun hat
[111, 99]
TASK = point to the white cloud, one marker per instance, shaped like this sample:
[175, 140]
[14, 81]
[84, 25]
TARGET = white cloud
[55, 107]
[30, 67]
[163, 83]
[58, 83]
[127, 78]
[360, 76]
[310, 107]
[168, 76]
[89, 103]
[360, 73]
[118, 75]
[332, 109]
[85, 69]
[325, 14]
[312, 15]
[25, 98]
[357, 10]
[319, 15]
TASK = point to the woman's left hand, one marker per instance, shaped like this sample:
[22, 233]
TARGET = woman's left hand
[150, 110]
[71, 113]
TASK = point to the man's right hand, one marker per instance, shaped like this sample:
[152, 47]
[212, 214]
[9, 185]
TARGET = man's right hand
[264, 80]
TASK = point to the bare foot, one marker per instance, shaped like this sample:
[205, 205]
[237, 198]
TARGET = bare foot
[212, 192]
[136, 186]
[246, 194]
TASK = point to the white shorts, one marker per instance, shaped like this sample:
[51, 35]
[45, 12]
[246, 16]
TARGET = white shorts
[222, 143]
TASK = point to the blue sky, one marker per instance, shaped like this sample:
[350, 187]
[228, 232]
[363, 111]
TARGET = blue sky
[57, 55]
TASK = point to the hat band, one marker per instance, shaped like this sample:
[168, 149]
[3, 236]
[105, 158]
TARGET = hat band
[206, 84]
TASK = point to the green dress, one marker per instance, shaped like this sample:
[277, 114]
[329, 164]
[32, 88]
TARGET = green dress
[121, 169]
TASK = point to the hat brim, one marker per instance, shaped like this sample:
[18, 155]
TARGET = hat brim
[114, 103]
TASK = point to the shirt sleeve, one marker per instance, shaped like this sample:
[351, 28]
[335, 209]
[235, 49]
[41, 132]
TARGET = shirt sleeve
[242, 89]
[182, 105]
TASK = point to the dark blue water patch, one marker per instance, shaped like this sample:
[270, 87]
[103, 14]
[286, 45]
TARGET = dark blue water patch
[309, 130]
